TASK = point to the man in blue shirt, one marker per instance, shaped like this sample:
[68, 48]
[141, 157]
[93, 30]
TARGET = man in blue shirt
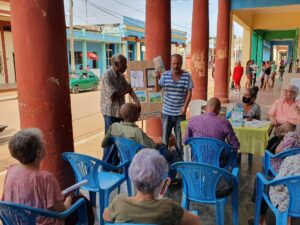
[177, 86]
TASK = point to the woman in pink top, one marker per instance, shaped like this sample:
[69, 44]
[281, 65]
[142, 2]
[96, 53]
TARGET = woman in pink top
[25, 183]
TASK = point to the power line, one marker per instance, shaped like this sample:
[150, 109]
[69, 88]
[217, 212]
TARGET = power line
[120, 16]
[107, 11]
[143, 11]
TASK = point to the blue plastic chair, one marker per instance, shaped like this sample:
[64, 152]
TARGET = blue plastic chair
[208, 151]
[127, 148]
[200, 185]
[268, 169]
[293, 185]
[129, 224]
[89, 168]
[17, 214]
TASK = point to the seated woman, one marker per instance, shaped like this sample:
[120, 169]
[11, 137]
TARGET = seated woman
[25, 183]
[147, 171]
[279, 195]
[251, 109]
[289, 141]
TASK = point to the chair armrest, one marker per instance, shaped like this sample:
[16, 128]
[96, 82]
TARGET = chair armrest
[235, 173]
[124, 165]
[262, 179]
[267, 161]
[108, 166]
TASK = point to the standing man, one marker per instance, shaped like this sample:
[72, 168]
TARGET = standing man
[114, 87]
[177, 86]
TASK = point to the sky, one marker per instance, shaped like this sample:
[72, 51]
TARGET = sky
[111, 11]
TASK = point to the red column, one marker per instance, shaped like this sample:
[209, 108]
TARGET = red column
[222, 51]
[199, 50]
[39, 38]
[158, 42]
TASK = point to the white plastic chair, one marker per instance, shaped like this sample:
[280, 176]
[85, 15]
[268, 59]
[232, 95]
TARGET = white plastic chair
[195, 107]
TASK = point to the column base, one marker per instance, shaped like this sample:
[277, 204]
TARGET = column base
[223, 99]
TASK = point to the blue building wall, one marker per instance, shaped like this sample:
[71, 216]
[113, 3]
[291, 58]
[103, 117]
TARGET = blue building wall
[96, 42]
[244, 4]
[266, 51]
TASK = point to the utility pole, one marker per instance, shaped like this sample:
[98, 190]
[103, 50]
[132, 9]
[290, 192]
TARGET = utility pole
[71, 37]
[86, 12]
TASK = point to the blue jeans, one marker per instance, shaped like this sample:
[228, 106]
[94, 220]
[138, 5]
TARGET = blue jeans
[109, 120]
[168, 123]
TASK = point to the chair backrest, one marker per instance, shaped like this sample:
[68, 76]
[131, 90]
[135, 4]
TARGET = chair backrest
[208, 151]
[286, 153]
[293, 185]
[127, 148]
[200, 180]
[18, 214]
[84, 168]
[195, 107]
[269, 156]
[129, 224]
[13, 214]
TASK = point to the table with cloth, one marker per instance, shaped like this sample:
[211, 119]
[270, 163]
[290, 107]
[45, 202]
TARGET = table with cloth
[252, 140]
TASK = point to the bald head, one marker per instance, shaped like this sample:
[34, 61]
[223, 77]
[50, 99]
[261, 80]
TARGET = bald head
[129, 112]
[213, 105]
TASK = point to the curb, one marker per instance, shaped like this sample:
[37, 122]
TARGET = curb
[7, 98]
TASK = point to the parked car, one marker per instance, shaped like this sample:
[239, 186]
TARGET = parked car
[83, 80]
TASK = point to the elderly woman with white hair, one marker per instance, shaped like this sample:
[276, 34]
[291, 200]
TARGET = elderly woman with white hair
[147, 171]
[284, 110]
[25, 183]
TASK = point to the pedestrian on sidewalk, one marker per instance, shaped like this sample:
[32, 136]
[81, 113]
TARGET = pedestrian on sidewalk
[237, 76]
[273, 72]
[254, 72]
[262, 74]
[267, 76]
[281, 70]
[249, 73]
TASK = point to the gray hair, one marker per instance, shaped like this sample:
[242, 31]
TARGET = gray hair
[295, 89]
[25, 144]
[147, 170]
[117, 58]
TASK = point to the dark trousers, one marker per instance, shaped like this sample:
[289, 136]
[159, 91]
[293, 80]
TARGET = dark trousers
[170, 157]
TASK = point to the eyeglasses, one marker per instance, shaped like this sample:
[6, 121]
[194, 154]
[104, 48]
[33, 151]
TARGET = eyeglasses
[289, 91]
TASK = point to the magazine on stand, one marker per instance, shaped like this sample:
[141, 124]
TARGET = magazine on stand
[158, 64]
